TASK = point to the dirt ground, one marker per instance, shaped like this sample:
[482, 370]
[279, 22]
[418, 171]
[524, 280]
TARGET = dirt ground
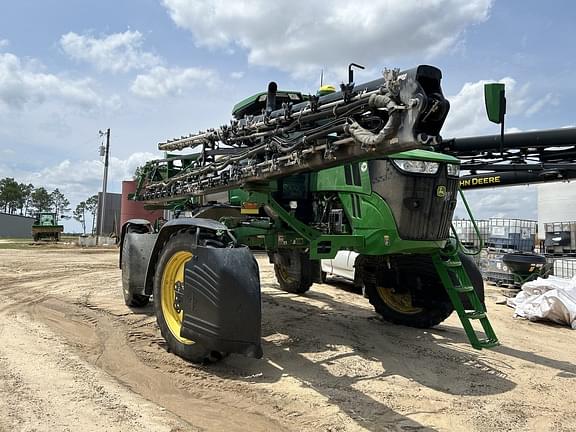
[73, 357]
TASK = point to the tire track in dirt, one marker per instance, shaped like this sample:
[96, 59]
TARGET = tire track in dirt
[106, 343]
[235, 383]
[46, 387]
[330, 363]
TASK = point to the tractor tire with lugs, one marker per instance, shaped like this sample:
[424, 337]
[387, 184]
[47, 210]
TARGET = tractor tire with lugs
[293, 271]
[177, 251]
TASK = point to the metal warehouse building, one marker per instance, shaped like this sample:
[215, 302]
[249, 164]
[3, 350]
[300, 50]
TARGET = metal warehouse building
[112, 217]
[14, 226]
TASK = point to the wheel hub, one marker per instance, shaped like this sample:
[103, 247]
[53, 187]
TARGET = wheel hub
[178, 296]
[173, 291]
[400, 302]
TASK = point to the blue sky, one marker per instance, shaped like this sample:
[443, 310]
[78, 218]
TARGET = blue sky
[152, 69]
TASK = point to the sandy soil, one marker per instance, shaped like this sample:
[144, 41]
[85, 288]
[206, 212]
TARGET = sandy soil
[73, 357]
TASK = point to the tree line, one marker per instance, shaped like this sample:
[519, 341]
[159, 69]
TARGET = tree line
[28, 200]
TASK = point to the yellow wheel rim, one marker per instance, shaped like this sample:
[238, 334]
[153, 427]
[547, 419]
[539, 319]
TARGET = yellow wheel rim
[174, 273]
[283, 273]
[399, 302]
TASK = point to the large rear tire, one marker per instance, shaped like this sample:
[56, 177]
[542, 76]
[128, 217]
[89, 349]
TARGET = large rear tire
[177, 251]
[293, 271]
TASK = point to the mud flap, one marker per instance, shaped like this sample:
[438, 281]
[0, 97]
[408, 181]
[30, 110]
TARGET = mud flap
[221, 300]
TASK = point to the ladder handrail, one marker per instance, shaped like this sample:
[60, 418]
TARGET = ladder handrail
[461, 247]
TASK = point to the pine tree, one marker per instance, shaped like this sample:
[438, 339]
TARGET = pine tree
[41, 201]
[59, 203]
[80, 215]
[92, 208]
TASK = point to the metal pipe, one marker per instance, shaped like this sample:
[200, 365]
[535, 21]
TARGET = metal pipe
[537, 139]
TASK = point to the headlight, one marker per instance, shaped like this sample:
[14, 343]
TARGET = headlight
[417, 166]
[453, 170]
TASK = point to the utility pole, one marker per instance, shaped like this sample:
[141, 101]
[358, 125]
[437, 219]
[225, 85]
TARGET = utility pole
[102, 209]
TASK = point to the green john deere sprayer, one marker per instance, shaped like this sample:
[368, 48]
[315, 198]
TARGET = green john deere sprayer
[302, 177]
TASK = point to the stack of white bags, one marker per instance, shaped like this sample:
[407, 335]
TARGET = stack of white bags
[553, 299]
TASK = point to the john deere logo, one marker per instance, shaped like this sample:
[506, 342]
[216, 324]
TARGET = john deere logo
[441, 191]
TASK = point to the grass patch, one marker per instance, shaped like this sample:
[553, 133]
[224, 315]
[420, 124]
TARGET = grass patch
[28, 243]
[15, 243]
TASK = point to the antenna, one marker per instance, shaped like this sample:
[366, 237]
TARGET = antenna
[351, 71]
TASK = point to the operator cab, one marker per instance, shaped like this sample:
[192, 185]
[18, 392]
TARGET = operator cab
[45, 219]
[255, 104]
[273, 100]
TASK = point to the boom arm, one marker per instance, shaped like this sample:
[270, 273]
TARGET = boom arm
[519, 174]
[401, 111]
[526, 158]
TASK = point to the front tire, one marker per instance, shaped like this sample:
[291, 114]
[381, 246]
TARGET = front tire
[177, 251]
[293, 271]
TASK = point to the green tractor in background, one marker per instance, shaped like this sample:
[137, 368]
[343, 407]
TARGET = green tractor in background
[46, 227]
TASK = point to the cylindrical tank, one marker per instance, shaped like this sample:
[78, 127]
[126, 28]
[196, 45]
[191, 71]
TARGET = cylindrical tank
[135, 209]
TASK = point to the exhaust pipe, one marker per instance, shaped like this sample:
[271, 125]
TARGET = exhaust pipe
[271, 97]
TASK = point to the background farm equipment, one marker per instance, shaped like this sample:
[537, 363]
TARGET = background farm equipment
[46, 227]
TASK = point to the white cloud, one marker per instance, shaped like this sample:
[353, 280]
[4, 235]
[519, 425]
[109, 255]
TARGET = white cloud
[548, 99]
[118, 52]
[162, 81]
[25, 83]
[7, 152]
[467, 114]
[301, 36]
[79, 180]
[517, 202]
[468, 117]
[4, 43]
[237, 75]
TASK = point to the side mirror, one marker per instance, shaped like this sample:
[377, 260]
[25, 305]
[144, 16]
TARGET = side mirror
[495, 99]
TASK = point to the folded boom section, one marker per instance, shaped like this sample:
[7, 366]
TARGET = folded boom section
[400, 111]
